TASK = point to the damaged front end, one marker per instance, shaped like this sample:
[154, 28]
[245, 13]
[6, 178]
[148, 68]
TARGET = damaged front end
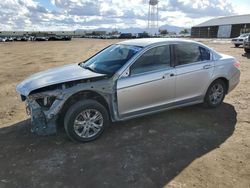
[46, 92]
[43, 109]
[45, 105]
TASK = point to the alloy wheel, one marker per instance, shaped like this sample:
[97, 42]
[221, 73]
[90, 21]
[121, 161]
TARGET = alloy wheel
[88, 123]
[216, 94]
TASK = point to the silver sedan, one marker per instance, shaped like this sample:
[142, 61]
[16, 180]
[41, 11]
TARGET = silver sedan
[127, 80]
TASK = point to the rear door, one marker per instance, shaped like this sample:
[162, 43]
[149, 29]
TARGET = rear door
[194, 69]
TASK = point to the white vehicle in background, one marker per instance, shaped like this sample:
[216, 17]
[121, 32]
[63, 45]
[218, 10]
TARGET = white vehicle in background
[246, 44]
[2, 39]
[239, 40]
[9, 39]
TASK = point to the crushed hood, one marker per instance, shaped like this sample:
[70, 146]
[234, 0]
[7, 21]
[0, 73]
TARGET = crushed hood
[53, 76]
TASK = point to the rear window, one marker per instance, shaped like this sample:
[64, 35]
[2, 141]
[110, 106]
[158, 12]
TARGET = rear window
[191, 53]
[205, 54]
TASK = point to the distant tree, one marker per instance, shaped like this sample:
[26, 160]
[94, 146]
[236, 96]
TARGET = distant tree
[114, 32]
[184, 31]
[163, 32]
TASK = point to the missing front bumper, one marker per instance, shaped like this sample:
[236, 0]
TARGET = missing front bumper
[40, 125]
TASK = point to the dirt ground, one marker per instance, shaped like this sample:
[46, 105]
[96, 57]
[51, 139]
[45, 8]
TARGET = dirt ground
[187, 147]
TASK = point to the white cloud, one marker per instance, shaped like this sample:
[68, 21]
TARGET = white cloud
[89, 14]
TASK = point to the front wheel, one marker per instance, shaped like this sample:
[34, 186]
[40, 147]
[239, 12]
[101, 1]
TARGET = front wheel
[86, 120]
[236, 45]
[215, 94]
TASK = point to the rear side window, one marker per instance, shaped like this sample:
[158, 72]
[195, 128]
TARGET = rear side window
[205, 54]
[154, 59]
[190, 53]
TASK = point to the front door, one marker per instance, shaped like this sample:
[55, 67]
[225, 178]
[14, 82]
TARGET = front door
[150, 84]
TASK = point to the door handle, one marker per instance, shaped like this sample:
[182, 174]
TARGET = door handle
[207, 66]
[168, 74]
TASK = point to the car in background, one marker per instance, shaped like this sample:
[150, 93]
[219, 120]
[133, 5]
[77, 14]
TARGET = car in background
[21, 38]
[17, 38]
[240, 40]
[143, 35]
[41, 39]
[2, 39]
[246, 44]
[126, 36]
[25, 39]
[9, 39]
[126, 80]
[59, 38]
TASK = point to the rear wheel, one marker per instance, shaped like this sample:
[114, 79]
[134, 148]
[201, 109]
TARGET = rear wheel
[247, 50]
[85, 120]
[215, 94]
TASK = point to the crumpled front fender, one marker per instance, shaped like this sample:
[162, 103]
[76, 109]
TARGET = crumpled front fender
[43, 121]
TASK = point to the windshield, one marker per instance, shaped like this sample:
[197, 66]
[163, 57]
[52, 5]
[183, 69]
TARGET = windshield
[111, 59]
[244, 35]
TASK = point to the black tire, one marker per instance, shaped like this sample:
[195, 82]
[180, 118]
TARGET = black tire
[210, 103]
[236, 45]
[75, 110]
[247, 50]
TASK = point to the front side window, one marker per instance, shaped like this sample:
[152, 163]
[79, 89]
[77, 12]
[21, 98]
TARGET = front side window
[154, 59]
[111, 59]
[190, 53]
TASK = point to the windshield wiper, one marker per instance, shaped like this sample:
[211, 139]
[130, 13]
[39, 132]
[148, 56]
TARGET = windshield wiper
[93, 70]
[86, 67]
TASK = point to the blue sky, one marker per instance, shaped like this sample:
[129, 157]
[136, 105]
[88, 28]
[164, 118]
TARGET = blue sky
[92, 14]
[47, 4]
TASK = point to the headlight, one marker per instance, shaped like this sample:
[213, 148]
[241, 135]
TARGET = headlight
[46, 101]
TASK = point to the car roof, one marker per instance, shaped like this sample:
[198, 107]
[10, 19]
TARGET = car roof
[152, 41]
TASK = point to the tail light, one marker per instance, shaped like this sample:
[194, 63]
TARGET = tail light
[237, 64]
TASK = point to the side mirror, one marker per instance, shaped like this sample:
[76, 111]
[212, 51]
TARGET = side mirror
[126, 73]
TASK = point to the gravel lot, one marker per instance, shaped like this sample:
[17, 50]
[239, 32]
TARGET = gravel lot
[186, 147]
